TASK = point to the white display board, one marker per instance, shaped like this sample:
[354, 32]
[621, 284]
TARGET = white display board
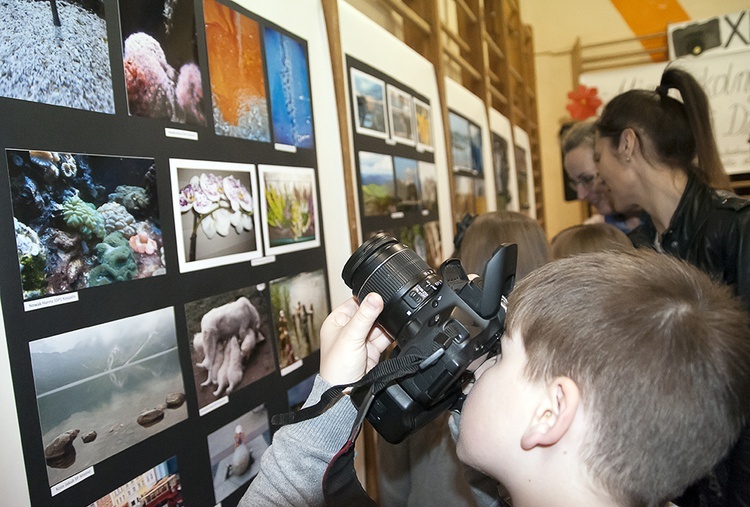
[500, 126]
[525, 172]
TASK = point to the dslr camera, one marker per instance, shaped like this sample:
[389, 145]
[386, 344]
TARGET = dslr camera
[450, 320]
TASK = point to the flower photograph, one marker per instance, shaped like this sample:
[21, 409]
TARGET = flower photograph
[216, 219]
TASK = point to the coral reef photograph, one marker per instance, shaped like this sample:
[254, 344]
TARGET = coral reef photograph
[215, 213]
[289, 202]
[289, 89]
[83, 220]
[230, 342]
[104, 388]
[56, 53]
[235, 64]
[162, 74]
[299, 305]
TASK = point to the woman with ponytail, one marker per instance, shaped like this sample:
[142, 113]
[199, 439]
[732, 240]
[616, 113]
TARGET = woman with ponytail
[659, 153]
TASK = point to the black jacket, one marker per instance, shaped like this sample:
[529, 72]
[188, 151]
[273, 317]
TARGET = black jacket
[711, 230]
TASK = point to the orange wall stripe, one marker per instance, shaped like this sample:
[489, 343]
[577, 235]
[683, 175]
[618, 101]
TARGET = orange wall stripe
[646, 17]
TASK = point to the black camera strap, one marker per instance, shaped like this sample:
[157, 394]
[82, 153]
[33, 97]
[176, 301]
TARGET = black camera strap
[340, 483]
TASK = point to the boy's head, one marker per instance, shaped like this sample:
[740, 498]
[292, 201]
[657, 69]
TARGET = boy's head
[626, 372]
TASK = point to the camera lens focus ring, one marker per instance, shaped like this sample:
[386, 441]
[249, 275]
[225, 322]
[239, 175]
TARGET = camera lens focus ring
[398, 273]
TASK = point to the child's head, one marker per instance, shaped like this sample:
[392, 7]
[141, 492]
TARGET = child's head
[489, 230]
[625, 370]
[587, 238]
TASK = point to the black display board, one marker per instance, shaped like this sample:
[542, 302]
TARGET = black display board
[160, 207]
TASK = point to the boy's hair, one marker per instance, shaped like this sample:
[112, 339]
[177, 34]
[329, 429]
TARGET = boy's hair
[660, 353]
[586, 238]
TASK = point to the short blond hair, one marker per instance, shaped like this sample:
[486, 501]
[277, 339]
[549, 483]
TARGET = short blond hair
[585, 238]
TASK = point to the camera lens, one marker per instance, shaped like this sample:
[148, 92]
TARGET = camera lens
[405, 282]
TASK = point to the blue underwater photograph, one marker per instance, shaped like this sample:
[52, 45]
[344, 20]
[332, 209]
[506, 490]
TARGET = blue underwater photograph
[83, 220]
[289, 87]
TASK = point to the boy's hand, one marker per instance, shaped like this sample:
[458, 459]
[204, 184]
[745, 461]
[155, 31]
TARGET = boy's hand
[350, 343]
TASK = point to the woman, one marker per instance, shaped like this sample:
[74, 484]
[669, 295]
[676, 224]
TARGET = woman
[578, 161]
[658, 153]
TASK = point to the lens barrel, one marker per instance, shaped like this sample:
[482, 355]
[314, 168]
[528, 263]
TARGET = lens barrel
[384, 265]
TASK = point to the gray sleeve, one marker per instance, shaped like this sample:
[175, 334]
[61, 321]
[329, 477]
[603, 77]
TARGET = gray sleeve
[292, 468]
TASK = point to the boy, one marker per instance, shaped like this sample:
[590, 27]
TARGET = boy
[623, 378]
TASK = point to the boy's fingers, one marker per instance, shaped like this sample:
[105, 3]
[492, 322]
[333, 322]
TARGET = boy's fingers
[366, 315]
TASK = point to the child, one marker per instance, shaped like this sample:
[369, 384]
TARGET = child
[585, 238]
[625, 401]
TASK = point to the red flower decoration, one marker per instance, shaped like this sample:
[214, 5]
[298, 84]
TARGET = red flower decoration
[584, 102]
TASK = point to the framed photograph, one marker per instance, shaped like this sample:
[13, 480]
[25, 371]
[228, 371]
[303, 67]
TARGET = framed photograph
[235, 66]
[108, 230]
[368, 94]
[477, 162]
[216, 213]
[300, 305]
[160, 58]
[377, 184]
[461, 143]
[159, 485]
[428, 185]
[408, 191]
[503, 162]
[70, 64]
[231, 342]
[105, 388]
[423, 115]
[289, 204]
[401, 116]
[235, 450]
[289, 89]
[522, 151]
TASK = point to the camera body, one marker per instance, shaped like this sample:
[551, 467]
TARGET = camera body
[445, 317]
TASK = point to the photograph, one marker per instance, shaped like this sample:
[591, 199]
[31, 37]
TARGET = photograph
[156, 487]
[461, 143]
[464, 196]
[83, 220]
[377, 184]
[298, 393]
[433, 243]
[299, 305]
[160, 58]
[477, 162]
[369, 108]
[413, 236]
[235, 450]
[501, 166]
[231, 342]
[289, 89]
[235, 66]
[56, 53]
[522, 171]
[105, 388]
[428, 187]
[408, 193]
[215, 212]
[401, 116]
[289, 204]
[423, 114]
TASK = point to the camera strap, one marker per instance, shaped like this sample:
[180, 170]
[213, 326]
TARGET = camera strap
[340, 483]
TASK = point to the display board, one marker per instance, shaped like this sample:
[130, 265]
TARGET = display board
[166, 270]
[472, 171]
[397, 138]
[525, 177]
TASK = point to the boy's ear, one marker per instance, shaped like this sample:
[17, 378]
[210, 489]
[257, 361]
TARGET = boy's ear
[554, 415]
